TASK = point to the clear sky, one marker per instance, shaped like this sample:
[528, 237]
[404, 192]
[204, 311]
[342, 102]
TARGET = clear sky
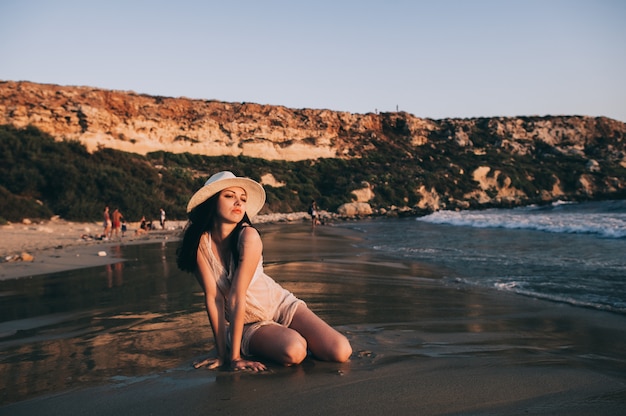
[435, 59]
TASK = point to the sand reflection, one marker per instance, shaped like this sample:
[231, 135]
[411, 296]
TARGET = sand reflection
[143, 317]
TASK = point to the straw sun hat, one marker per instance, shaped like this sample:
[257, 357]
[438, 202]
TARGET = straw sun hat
[225, 179]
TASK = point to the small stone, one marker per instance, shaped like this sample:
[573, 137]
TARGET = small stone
[26, 257]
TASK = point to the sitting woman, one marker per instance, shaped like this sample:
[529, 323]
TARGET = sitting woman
[250, 314]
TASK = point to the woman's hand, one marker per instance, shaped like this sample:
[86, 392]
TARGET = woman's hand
[235, 365]
[241, 364]
[210, 363]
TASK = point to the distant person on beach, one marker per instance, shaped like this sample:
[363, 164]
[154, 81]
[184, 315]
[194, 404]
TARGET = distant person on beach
[313, 213]
[108, 225]
[250, 314]
[162, 218]
[143, 227]
[117, 222]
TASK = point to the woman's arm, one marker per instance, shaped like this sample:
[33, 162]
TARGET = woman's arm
[214, 301]
[251, 248]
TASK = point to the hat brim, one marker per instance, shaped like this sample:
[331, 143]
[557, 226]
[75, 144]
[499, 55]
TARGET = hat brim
[254, 192]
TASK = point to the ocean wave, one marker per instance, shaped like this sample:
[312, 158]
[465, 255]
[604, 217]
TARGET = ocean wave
[587, 301]
[585, 270]
[592, 301]
[560, 217]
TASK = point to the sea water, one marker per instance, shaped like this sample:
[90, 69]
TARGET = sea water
[391, 285]
[564, 252]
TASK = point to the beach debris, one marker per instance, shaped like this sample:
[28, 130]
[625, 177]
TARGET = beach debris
[102, 253]
[24, 256]
[364, 353]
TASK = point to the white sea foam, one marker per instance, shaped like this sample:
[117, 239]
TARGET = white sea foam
[555, 220]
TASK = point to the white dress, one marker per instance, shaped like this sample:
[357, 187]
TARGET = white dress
[267, 302]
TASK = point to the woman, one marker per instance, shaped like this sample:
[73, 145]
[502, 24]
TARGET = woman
[250, 314]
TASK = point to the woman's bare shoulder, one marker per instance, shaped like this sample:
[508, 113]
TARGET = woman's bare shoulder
[249, 235]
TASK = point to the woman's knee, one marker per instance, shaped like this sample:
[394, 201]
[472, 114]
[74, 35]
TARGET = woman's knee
[294, 351]
[341, 350]
[279, 344]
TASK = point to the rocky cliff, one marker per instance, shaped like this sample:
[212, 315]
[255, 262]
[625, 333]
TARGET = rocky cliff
[141, 124]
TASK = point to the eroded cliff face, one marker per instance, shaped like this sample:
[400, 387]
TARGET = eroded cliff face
[140, 124]
[143, 123]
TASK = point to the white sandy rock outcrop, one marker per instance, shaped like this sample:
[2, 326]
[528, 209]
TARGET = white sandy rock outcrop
[355, 209]
[493, 182]
[364, 194]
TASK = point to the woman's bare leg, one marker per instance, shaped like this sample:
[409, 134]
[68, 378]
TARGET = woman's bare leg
[280, 344]
[324, 342]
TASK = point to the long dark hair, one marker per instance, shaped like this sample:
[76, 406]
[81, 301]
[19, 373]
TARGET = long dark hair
[201, 219]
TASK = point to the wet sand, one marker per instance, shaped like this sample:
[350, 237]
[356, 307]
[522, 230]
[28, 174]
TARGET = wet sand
[420, 346]
[59, 245]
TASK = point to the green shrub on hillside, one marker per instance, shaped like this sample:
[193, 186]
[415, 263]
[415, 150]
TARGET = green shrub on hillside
[41, 177]
[15, 208]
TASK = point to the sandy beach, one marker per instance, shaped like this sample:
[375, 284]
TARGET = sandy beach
[55, 245]
[420, 347]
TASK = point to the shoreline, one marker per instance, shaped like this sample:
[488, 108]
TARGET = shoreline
[49, 246]
[421, 346]
[28, 250]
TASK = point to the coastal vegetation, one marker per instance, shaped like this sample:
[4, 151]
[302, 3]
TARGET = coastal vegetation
[41, 177]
